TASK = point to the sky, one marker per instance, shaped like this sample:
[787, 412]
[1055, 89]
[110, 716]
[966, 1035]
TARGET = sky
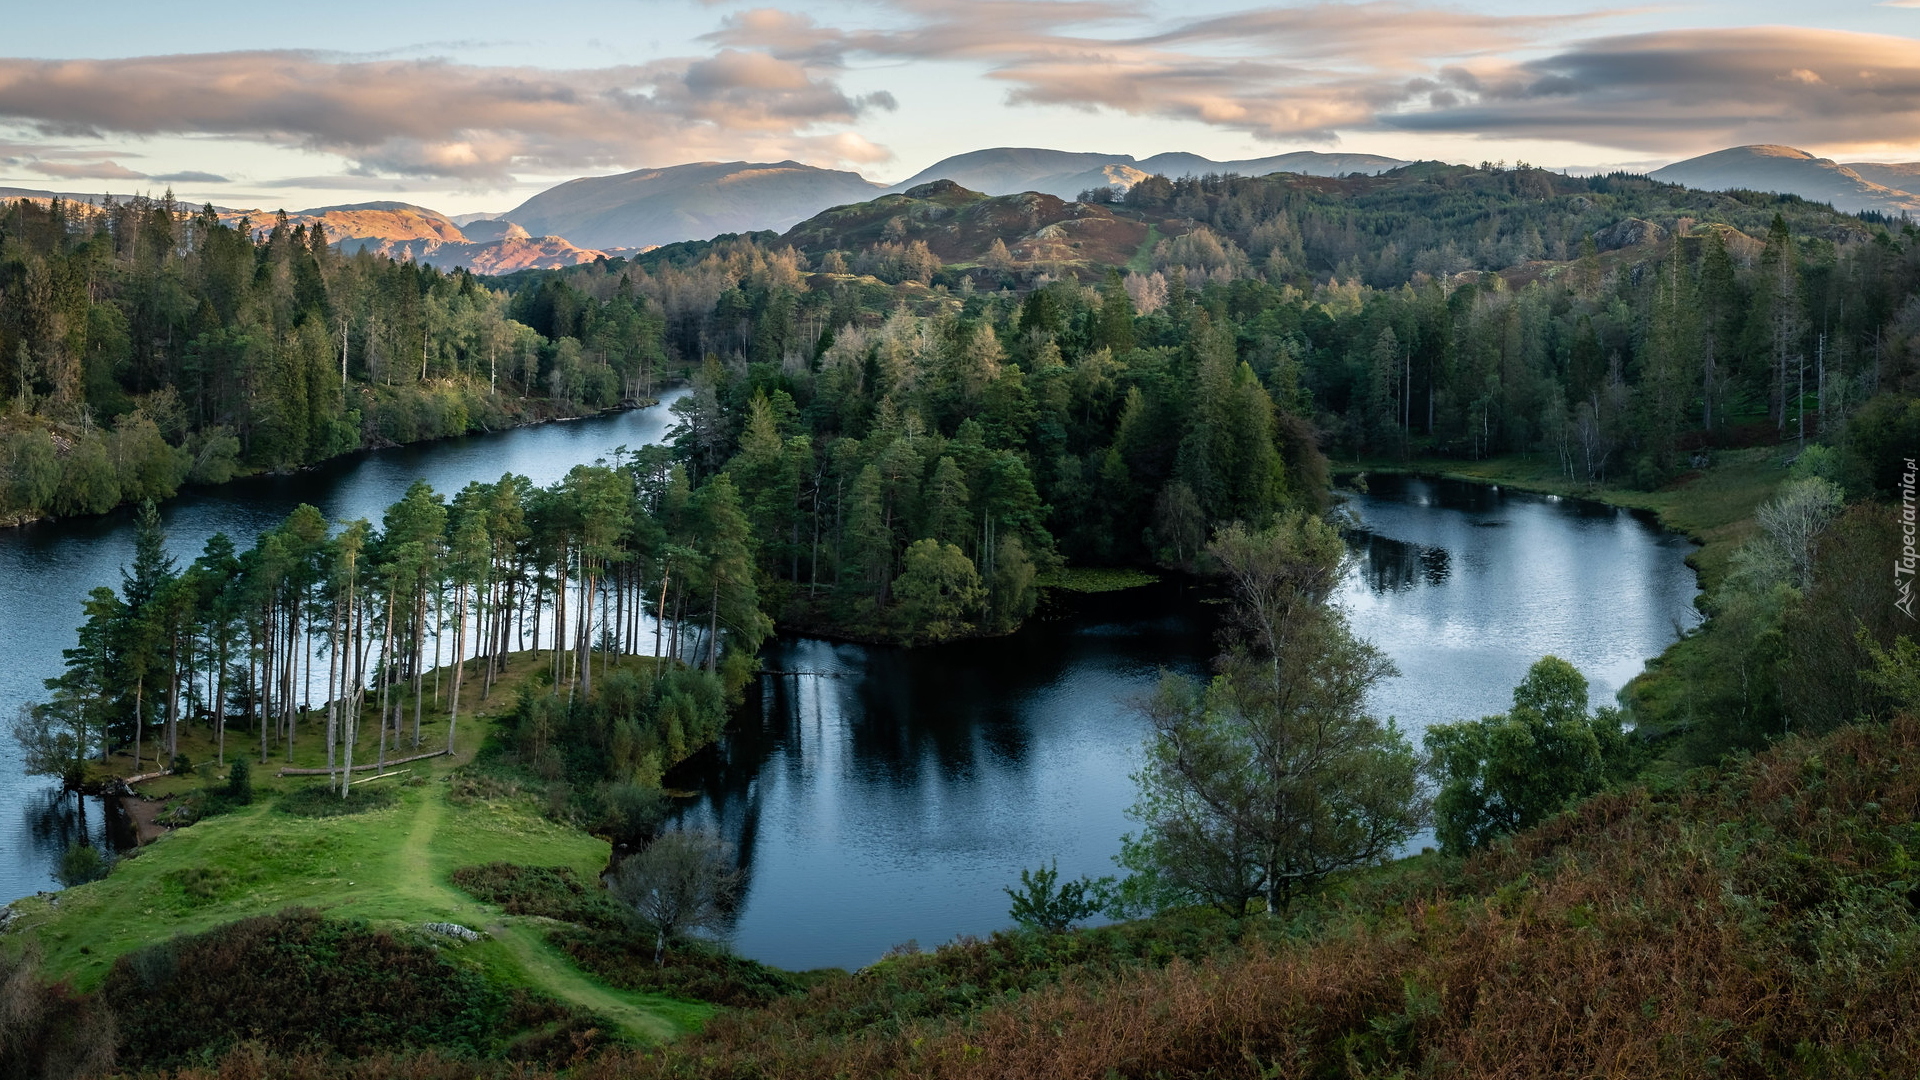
[473, 106]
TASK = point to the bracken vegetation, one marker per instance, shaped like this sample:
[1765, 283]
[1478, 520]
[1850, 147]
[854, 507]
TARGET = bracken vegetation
[1755, 921]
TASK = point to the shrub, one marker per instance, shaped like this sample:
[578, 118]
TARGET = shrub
[295, 981]
[553, 892]
[83, 863]
[46, 1031]
[1042, 903]
[240, 781]
[688, 970]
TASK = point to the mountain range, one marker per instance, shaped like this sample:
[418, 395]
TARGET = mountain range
[1011, 170]
[603, 216]
[1851, 187]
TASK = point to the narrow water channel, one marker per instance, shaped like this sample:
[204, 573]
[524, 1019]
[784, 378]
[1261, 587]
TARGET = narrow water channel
[47, 568]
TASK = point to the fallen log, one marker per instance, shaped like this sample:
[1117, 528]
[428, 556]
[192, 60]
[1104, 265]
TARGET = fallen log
[369, 766]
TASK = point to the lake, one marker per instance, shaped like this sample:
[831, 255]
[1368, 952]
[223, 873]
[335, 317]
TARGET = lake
[889, 795]
[884, 795]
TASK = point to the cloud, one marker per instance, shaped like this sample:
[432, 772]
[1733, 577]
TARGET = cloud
[192, 177]
[1302, 72]
[1681, 89]
[1311, 71]
[102, 169]
[441, 119]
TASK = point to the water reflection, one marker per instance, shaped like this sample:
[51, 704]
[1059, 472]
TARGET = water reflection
[50, 821]
[1466, 585]
[877, 795]
[1389, 565]
[47, 568]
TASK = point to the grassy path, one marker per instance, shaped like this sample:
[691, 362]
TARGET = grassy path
[417, 871]
[391, 866]
[640, 1016]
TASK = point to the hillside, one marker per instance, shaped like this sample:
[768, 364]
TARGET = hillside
[417, 234]
[661, 206]
[1327, 225]
[960, 226]
[1899, 176]
[382, 221]
[385, 859]
[500, 256]
[1749, 923]
[1010, 170]
[1785, 170]
[1753, 921]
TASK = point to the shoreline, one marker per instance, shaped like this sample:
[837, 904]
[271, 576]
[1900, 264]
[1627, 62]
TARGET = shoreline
[366, 448]
[1712, 507]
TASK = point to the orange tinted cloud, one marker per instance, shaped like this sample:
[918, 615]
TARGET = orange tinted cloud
[435, 118]
[1293, 72]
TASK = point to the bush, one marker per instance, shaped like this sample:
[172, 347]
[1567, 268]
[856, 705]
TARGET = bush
[46, 1031]
[295, 981]
[83, 863]
[691, 970]
[1504, 773]
[240, 781]
[553, 892]
[628, 812]
[1042, 903]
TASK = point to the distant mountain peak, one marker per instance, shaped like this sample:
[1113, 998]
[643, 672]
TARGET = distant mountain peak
[1006, 170]
[686, 202]
[1792, 171]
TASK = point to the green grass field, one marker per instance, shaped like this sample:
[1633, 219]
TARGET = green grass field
[389, 867]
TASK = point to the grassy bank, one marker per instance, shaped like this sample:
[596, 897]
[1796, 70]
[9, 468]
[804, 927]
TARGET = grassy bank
[389, 867]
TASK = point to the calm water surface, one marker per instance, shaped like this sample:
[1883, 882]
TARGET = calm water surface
[880, 795]
[46, 570]
[888, 795]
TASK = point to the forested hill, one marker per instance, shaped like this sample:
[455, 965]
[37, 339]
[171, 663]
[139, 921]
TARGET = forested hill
[1109, 379]
[1428, 218]
[143, 345]
[928, 399]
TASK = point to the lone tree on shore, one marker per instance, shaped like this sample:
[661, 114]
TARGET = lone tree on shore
[1261, 783]
[1501, 774]
[680, 885]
